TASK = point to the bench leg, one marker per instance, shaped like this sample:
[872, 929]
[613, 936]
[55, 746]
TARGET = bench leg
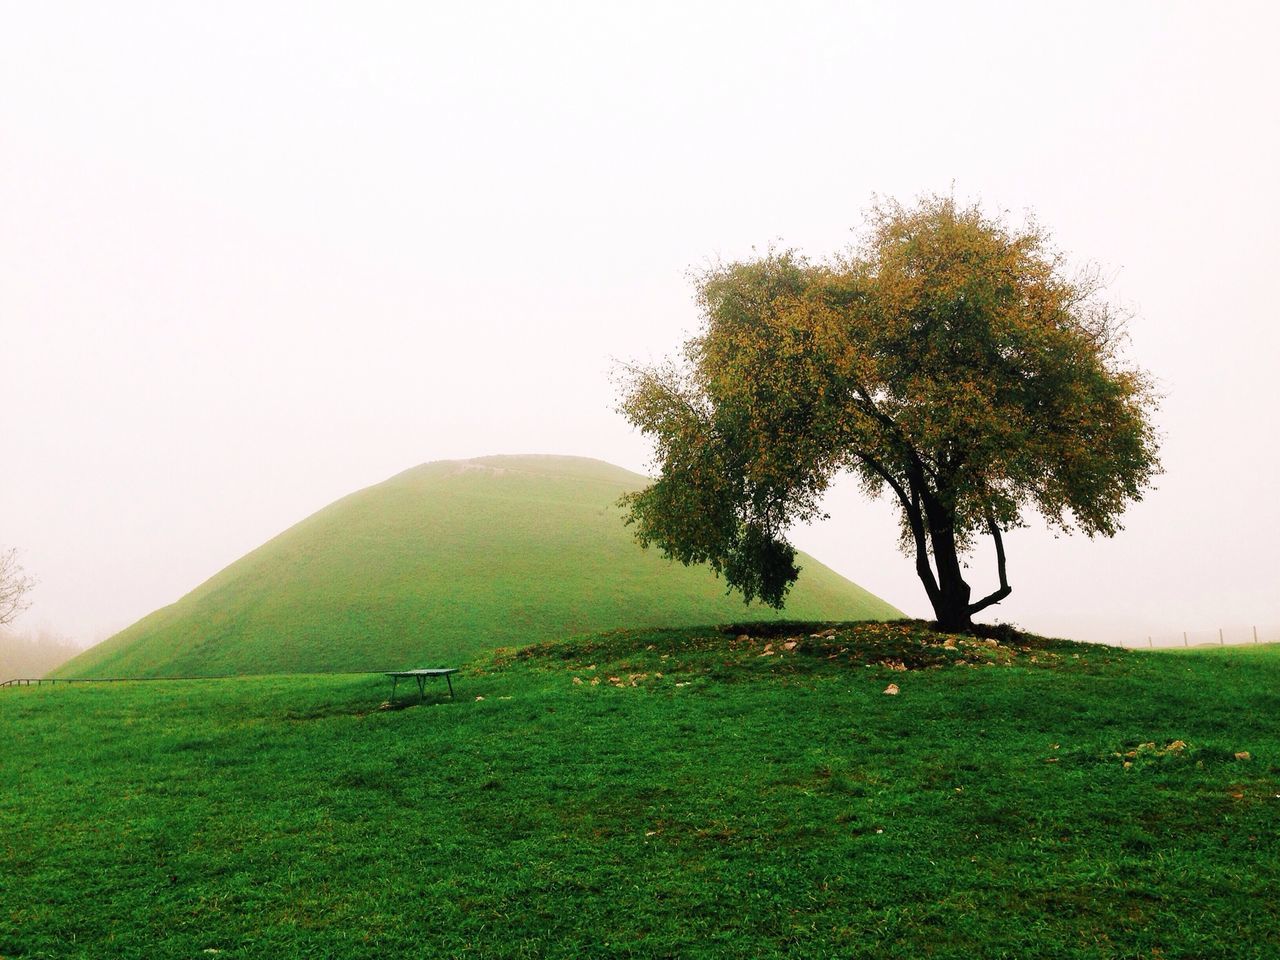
[450, 683]
[394, 681]
[422, 685]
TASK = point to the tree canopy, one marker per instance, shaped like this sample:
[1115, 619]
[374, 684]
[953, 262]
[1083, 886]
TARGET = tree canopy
[950, 360]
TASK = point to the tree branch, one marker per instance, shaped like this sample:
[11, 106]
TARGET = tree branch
[911, 507]
[886, 421]
[1005, 589]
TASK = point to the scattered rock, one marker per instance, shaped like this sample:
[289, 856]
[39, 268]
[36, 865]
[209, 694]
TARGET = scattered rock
[577, 681]
[891, 690]
[1243, 755]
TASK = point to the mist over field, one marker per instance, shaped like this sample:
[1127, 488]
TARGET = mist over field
[33, 653]
[257, 257]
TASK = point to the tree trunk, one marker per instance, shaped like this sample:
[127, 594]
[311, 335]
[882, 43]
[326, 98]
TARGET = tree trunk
[951, 608]
[951, 595]
[951, 604]
[932, 526]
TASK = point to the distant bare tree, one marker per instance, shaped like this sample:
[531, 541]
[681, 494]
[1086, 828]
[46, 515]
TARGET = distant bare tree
[14, 586]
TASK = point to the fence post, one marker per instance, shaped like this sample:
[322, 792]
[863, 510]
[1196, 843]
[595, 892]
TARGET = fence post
[1220, 640]
[1184, 638]
[1149, 643]
[1255, 634]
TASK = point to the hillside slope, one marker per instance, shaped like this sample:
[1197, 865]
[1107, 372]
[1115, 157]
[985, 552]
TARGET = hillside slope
[437, 563]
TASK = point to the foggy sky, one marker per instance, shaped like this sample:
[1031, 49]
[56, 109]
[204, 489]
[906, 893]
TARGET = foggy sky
[256, 256]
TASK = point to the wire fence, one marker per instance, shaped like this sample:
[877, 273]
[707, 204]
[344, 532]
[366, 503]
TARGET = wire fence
[1217, 637]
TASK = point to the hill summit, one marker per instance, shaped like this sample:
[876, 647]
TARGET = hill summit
[438, 563]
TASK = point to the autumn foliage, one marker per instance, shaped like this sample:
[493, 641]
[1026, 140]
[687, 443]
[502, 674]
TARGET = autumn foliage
[950, 360]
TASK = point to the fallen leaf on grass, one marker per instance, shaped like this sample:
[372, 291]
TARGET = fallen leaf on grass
[891, 690]
[577, 681]
[479, 698]
[1243, 755]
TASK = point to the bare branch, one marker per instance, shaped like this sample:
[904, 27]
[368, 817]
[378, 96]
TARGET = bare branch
[14, 587]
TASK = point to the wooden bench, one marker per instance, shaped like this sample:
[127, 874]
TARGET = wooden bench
[421, 677]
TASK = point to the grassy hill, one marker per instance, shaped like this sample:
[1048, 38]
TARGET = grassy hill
[657, 794]
[436, 564]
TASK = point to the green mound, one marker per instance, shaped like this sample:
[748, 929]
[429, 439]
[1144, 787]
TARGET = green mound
[436, 564]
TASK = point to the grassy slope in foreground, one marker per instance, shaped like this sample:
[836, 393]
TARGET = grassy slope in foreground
[436, 564]
[701, 799]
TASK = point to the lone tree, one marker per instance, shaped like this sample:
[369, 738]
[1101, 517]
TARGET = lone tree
[950, 359]
[14, 587]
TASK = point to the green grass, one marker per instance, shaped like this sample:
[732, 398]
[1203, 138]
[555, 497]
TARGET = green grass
[659, 793]
[439, 563]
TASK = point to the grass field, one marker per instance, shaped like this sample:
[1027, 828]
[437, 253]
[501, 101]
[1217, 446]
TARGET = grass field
[680, 793]
[438, 563]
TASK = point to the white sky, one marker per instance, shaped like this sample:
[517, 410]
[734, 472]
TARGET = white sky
[256, 256]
